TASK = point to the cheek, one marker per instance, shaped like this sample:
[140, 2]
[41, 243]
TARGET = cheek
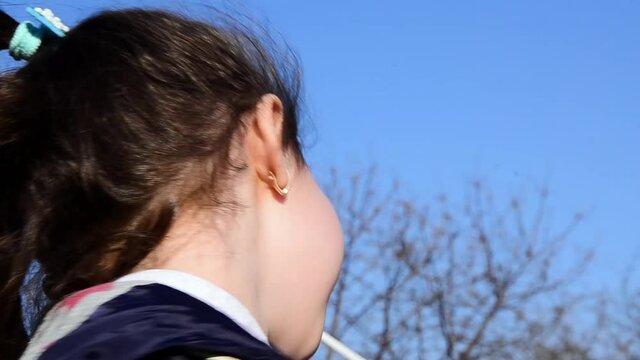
[320, 239]
[309, 257]
[315, 246]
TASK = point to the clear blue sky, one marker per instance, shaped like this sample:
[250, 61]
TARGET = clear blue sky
[517, 92]
[438, 92]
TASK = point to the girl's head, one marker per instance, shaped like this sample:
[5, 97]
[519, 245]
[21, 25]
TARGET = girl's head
[144, 139]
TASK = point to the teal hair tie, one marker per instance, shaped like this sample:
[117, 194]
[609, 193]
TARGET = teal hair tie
[28, 37]
[25, 41]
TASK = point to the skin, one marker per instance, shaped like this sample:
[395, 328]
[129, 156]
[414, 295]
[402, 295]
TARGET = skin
[278, 255]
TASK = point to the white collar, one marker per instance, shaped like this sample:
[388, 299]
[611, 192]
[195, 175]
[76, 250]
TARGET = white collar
[204, 291]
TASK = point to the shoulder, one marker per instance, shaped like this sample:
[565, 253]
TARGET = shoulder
[141, 321]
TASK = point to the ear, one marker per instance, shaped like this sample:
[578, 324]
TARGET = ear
[263, 141]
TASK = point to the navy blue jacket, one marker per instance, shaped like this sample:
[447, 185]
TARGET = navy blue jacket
[155, 321]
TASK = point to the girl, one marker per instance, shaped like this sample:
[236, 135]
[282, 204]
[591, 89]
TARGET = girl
[151, 166]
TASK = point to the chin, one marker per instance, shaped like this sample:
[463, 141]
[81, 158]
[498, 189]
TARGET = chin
[303, 351]
[301, 344]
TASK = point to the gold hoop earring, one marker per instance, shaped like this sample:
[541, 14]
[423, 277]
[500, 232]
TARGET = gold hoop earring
[282, 191]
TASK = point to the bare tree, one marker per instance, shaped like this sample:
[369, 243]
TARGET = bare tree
[624, 318]
[485, 279]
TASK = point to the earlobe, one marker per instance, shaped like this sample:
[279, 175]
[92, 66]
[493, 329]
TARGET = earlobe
[274, 180]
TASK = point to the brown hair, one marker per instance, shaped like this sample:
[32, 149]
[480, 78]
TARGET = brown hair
[100, 132]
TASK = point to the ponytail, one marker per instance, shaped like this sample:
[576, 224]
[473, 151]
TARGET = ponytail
[15, 256]
[7, 27]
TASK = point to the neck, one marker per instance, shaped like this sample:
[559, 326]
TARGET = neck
[206, 244]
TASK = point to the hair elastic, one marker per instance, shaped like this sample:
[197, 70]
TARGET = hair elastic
[27, 37]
